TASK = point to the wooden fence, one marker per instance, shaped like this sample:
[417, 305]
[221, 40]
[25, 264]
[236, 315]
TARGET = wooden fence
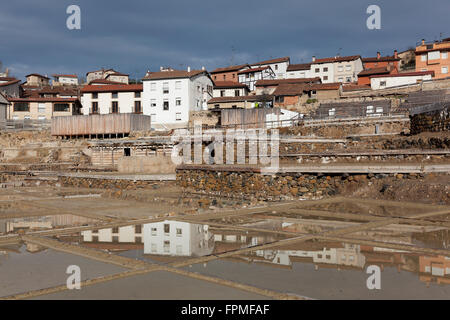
[100, 124]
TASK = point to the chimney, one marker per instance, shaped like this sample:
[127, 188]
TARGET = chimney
[161, 68]
[378, 55]
[313, 58]
[189, 69]
[395, 54]
[423, 41]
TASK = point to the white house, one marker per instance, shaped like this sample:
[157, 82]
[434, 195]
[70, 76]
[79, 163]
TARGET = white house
[229, 89]
[176, 238]
[116, 98]
[169, 96]
[400, 79]
[278, 65]
[301, 70]
[250, 76]
[65, 79]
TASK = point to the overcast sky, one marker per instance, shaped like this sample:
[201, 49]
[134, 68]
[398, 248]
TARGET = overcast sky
[136, 35]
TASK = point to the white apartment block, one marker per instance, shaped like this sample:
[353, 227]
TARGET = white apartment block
[337, 69]
[400, 79]
[229, 89]
[169, 96]
[279, 66]
[106, 99]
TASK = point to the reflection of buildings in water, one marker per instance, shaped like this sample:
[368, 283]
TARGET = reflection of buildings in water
[117, 235]
[176, 238]
[43, 222]
[172, 238]
[348, 255]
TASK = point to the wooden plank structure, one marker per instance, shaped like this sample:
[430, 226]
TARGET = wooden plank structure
[246, 118]
[100, 125]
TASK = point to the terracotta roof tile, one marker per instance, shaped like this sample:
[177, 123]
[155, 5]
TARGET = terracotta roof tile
[271, 61]
[251, 70]
[173, 74]
[336, 59]
[373, 71]
[299, 66]
[112, 87]
[229, 84]
[381, 59]
[230, 68]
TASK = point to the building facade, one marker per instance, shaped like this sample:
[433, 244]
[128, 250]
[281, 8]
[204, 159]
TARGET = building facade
[65, 79]
[279, 66]
[229, 89]
[42, 108]
[169, 96]
[434, 57]
[250, 76]
[116, 98]
[228, 73]
[301, 70]
[395, 80]
[337, 69]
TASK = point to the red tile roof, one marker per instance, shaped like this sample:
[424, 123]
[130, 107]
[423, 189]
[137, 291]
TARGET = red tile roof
[253, 70]
[300, 66]
[230, 68]
[373, 71]
[405, 74]
[271, 61]
[104, 81]
[355, 87]
[229, 84]
[336, 59]
[175, 74]
[113, 88]
[236, 99]
[4, 84]
[275, 82]
[37, 75]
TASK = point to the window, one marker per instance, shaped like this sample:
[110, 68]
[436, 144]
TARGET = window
[444, 55]
[234, 75]
[340, 79]
[423, 58]
[41, 107]
[166, 105]
[61, 107]
[166, 246]
[179, 232]
[153, 86]
[42, 118]
[444, 70]
[222, 93]
[382, 83]
[325, 69]
[199, 89]
[115, 107]
[95, 95]
[332, 112]
[379, 110]
[317, 70]
[167, 228]
[348, 79]
[115, 230]
[237, 93]
[27, 118]
[434, 55]
[215, 77]
[325, 78]
[115, 239]
[348, 67]
[137, 94]
[127, 152]
[178, 116]
[153, 103]
[369, 109]
[178, 101]
[165, 87]
[137, 107]
[178, 85]
[114, 95]
[138, 228]
[153, 231]
[341, 68]
[276, 67]
[138, 239]
[224, 77]
[21, 107]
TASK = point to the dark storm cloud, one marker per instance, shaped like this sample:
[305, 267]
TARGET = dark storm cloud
[137, 35]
